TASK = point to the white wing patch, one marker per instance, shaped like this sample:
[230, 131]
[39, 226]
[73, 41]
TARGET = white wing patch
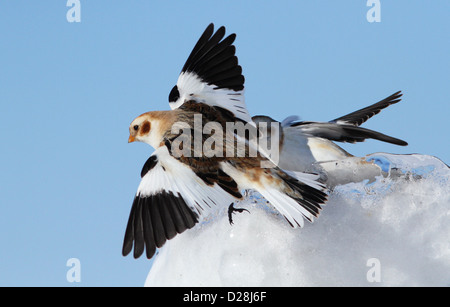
[170, 175]
[191, 87]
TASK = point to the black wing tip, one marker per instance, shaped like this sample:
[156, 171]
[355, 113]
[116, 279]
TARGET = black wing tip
[394, 98]
[213, 59]
[360, 116]
[401, 143]
[154, 220]
[358, 134]
[391, 140]
[209, 30]
[126, 249]
[398, 94]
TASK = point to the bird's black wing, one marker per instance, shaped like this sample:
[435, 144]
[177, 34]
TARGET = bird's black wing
[360, 116]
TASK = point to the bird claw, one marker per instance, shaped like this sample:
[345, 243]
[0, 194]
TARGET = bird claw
[231, 210]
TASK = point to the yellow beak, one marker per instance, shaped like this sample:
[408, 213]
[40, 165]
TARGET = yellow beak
[131, 139]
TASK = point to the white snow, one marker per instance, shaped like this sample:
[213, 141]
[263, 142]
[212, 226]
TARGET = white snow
[391, 232]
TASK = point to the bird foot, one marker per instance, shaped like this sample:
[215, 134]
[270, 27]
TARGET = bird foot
[231, 210]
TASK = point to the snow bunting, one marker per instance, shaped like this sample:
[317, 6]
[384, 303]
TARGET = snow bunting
[181, 182]
[307, 146]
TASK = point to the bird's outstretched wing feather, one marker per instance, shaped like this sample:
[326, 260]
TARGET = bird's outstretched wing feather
[344, 133]
[170, 199]
[360, 116]
[212, 75]
[346, 128]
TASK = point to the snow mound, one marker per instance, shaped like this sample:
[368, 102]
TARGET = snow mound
[394, 231]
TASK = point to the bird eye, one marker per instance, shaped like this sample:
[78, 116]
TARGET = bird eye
[136, 127]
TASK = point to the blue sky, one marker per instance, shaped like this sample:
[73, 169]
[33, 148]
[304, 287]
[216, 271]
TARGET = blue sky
[68, 92]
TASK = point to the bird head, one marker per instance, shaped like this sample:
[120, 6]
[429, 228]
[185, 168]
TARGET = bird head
[144, 129]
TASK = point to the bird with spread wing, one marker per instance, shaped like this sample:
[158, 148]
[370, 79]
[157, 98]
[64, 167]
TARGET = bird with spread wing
[179, 190]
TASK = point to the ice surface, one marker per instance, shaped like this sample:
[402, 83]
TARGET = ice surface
[396, 229]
